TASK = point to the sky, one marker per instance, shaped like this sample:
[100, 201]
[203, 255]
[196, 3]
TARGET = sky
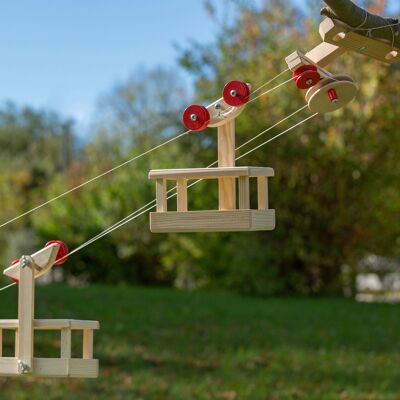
[62, 55]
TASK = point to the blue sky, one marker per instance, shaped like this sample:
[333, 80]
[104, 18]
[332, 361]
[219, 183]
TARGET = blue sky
[63, 54]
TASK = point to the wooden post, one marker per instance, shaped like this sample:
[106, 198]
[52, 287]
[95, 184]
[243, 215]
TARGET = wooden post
[161, 195]
[262, 188]
[66, 343]
[244, 193]
[26, 299]
[87, 344]
[181, 189]
[226, 158]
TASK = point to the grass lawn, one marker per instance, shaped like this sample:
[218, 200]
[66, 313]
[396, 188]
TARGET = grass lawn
[166, 344]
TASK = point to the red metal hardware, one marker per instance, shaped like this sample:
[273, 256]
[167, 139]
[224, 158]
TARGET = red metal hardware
[306, 76]
[62, 251]
[196, 118]
[236, 93]
[13, 263]
[333, 96]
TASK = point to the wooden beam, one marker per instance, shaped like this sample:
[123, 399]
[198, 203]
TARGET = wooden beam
[161, 195]
[244, 193]
[210, 173]
[26, 302]
[181, 194]
[262, 188]
[87, 344]
[226, 158]
[66, 343]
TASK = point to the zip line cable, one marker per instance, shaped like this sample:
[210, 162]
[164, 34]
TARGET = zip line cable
[153, 202]
[95, 178]
[148, 207]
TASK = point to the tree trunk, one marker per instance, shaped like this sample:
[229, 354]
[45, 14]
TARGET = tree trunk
[356, 17]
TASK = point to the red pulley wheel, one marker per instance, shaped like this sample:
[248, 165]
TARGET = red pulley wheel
[13, 263]
[62, 251]
[196, 118]
[306, 76]
[236, 93]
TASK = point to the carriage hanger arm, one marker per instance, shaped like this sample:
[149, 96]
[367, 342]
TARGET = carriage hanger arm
[356, 17]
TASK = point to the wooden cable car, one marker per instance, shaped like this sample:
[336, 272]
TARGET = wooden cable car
[234, 212]
[24, 272]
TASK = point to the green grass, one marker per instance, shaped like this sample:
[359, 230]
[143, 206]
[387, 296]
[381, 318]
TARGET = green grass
[165, 344]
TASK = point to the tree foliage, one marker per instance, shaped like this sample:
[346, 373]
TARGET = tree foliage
[336, 190]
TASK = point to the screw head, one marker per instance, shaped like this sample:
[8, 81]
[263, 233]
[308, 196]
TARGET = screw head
[233, 93]
[24, 368]
[193, 117]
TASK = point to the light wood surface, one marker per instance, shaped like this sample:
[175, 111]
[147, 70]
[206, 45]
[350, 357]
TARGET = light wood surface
[318, 99]
[87, 344]
[66, 343]
[321, 55]
[210, 173]
[262, 185]
[330, 31]
[212, 221]
[226, 158]
[43, 260]
[181, 194]
[26, 301]
[221, 113]
[244, 193]
[161, 195]
[53, 324]
[53, 367]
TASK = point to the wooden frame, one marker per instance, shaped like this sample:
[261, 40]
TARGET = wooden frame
[24, 327]
[243, 219]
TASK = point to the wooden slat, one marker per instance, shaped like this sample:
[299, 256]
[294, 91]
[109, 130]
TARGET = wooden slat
[84, 324]
[66, 343]
[51, 367]
[87, 344]
[16, 342]
[43, 259]
[26, 301]
[210, 173]
[83, 368]
[1, 342]
[8, 366]
[212, 221]
[244, 193]
[330, 31]
[161, 195]
[226, 158]
[52, 324]
[262, 190]
[325, 53]
[181, 198]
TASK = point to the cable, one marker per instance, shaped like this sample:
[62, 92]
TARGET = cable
[95, 178]
[153, 202]
[24, 214]
[8, 286]
[150, 205]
